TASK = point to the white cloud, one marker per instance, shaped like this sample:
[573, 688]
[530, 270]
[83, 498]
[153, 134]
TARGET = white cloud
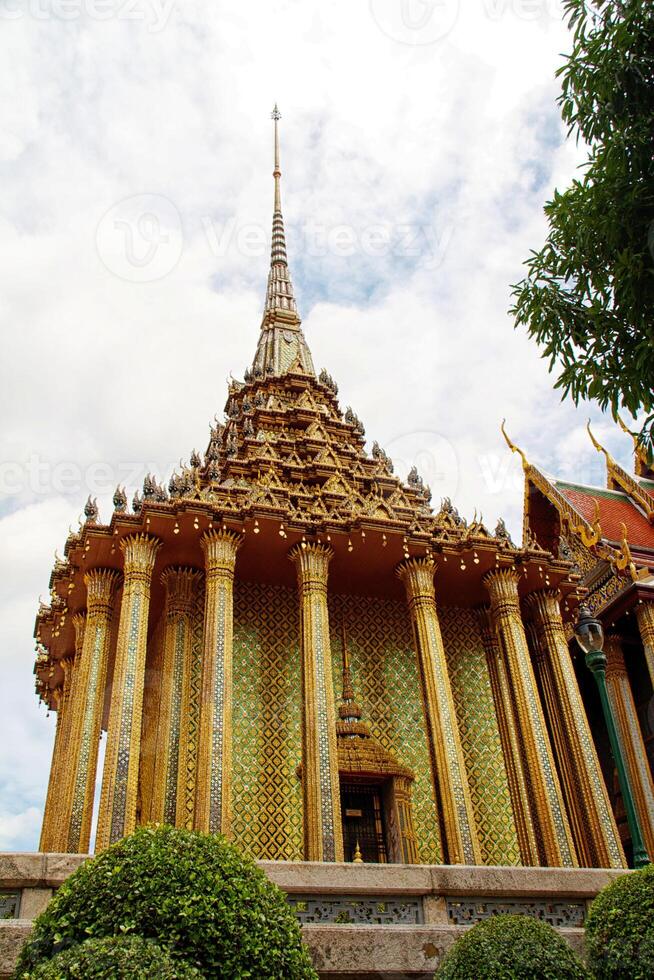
[18, 831]
[459, 140]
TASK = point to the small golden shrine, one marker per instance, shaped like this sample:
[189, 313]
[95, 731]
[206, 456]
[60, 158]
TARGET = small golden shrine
[290, 646]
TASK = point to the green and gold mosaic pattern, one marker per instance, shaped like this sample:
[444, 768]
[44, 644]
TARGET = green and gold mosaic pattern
[482, 749]
[267, 747]
[387, 687]
[189, 758]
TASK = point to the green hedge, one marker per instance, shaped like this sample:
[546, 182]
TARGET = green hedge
[620, 928]
[116, 958]
[194, 894]
[511, 947]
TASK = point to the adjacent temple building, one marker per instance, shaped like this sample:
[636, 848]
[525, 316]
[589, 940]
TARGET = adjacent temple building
[290, 646]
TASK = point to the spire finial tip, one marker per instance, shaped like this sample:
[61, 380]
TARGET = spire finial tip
[275, 114]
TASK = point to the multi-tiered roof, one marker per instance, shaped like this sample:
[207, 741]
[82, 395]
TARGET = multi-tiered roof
[287, 464]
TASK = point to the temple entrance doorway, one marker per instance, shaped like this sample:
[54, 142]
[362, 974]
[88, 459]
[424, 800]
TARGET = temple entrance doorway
[364, 831]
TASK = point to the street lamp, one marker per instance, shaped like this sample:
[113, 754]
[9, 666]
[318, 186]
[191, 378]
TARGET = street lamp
[590, 637]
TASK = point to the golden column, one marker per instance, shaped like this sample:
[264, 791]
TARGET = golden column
[447, 763]
[548, 811]
[596, 835]
[87, 702]
[645, 620]
[117, 816]
[180, 585]
[214, 771]
[629, 733]
[512, 748]
[57, 783]
[323, 829]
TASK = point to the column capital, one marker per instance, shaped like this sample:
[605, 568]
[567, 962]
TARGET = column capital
[220, 548]
[418, 576]
[181, 584]
[547, 622]
[645, 620]
[644, 610]
[311, 560]
[502, 587]
[614, 654]
[140, 552]
[100, 584]
[545, 604]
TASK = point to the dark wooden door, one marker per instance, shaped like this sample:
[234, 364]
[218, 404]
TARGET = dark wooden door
[363, 823]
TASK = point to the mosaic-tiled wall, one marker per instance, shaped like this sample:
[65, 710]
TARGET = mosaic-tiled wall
[266, 792]
[387, 687]
[191, 710]
[150, 718]
[480, 738]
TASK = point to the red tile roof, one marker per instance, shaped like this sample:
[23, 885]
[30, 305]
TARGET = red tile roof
[614, 509]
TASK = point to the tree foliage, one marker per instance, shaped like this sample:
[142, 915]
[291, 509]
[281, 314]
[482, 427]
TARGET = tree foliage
[511, 947]
[192, 894]
[620, 928]
[115, 958]
[588, 297]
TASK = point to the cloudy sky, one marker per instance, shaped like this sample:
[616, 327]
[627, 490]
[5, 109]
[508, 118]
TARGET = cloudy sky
[420, 139]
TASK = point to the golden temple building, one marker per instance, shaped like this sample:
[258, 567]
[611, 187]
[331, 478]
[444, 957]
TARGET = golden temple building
[290, 646]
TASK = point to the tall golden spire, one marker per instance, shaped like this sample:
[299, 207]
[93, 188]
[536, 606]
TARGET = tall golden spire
[282, 347]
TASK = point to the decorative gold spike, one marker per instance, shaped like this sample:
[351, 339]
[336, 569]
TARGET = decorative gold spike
[358, 857]
[623, 560]
[598, 446]
[592, 537]
[643, 462]
[512, 446]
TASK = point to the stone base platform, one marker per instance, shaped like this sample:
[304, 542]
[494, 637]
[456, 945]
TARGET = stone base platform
[360, 921]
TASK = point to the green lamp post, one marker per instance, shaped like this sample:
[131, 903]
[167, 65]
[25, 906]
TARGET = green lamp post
[590, 637]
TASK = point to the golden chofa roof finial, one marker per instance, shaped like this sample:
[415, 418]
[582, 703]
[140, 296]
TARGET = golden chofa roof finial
[598, 446]
[644, 465]
[512, 446]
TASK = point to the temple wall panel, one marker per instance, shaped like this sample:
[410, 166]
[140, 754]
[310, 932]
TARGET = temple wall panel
[113, 643]
[480, 738]
[151, 700]
[266, 722]
[387, 687]
[190, 721]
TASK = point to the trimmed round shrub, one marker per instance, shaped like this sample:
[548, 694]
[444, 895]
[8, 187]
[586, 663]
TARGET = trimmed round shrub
[620, 928]
[194, 894]
[116, 958]
[511, 947]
